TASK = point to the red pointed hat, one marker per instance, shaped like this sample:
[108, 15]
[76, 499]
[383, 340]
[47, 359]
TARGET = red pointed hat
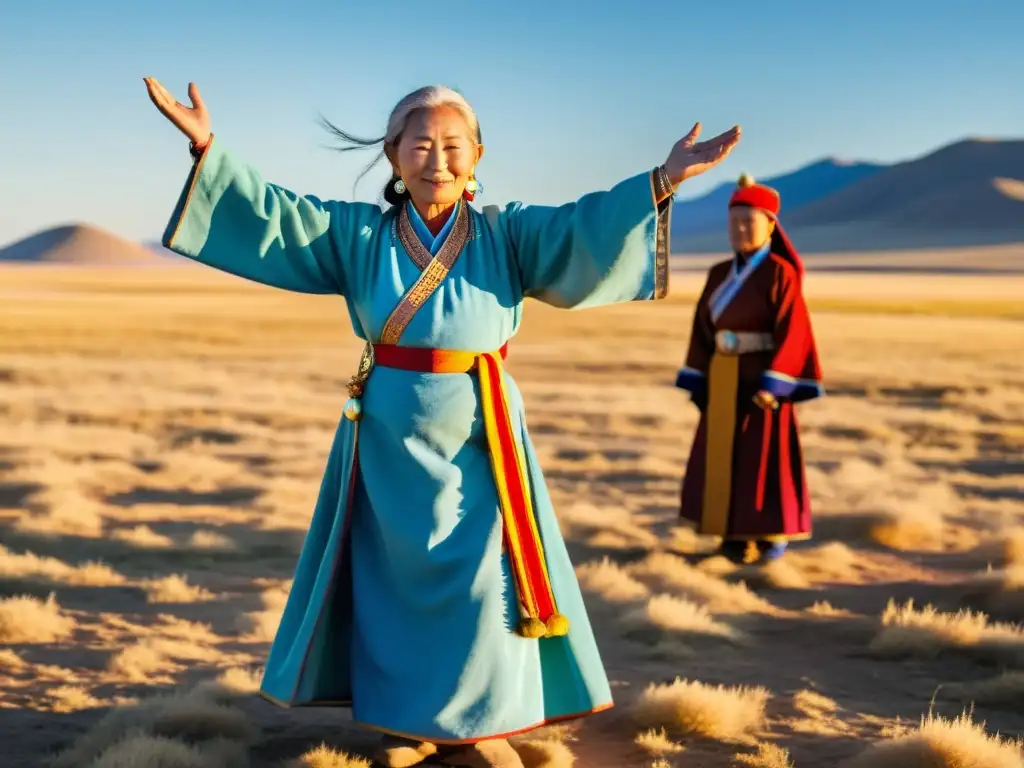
[766, 199]
[755, 195]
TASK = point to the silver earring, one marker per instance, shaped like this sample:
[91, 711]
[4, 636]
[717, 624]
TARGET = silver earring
[399, 186]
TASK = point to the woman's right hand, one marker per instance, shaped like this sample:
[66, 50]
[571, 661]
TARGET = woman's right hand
[194, 122]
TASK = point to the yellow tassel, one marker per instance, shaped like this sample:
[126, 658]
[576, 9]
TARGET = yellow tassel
[532, 628]
[752, 553]
[557, 625]
[745, 180]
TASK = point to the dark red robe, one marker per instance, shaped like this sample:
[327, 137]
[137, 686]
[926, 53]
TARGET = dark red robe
[765, 481]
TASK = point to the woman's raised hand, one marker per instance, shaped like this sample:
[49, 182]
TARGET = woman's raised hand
[690, 158]
[193, 121]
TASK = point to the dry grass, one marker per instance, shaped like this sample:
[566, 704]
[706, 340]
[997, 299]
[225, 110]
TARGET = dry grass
[188, 726]
[11, 660]
[29, 566]
[767, 756]
[210, 541]
[665, 617]
[26, 619]
[909, 631]
[231, 684]
[726, 713]
[545, 753]
[143, 537]
[611, 582]
[834, 562]
[656, 743]
[176, 589]
[781, 574]
[957, 743]
[72, 698]
[825, 609]
[155, 751]
[325, 757]
[158, 476]
[261, 625]
[1013, 546]
[669, 572]
[605, 527]
[898, 504]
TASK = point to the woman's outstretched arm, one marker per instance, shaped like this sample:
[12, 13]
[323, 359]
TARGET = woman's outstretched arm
[230, 218]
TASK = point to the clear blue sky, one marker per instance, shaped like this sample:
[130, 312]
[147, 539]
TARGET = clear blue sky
[573, 95]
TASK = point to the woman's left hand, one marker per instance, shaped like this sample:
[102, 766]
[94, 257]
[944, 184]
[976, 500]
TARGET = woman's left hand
[690, 158]
[766, 400]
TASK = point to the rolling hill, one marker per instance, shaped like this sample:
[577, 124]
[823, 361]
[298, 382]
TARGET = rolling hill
[968, 185]
[81, 244]
[805, 185]
[969, 193]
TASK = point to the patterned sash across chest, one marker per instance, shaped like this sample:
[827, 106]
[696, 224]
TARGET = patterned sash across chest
[433, 270]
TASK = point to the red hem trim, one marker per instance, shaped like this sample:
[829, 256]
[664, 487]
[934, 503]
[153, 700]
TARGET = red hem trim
[510, 734]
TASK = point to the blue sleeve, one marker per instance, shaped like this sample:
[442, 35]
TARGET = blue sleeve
[229, 218]
[605, 248]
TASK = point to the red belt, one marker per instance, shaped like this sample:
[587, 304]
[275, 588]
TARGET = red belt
[426, 360]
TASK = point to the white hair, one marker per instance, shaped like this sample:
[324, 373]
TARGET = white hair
[429, 97]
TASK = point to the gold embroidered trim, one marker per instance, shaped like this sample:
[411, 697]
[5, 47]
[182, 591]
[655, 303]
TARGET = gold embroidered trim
[662, 237]
[411, 242]
[432, 274]
[419, 254]
[662, 248]
[186, 197]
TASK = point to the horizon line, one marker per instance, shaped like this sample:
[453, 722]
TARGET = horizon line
[969, 138]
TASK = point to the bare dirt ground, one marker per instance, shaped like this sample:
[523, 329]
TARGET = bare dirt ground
[162, 435]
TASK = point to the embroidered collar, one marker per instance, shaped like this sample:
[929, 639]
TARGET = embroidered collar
[726, 292]
[432, 242]
[451, 238]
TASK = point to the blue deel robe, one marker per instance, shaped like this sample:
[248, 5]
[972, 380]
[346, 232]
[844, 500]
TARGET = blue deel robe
[403, 603]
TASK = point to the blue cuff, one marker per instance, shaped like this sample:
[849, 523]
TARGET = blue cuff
[791, 389]
[694, 382]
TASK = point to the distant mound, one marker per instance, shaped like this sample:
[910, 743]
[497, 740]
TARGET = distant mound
[970, 186]
[967, 194]
[77, 244]
[805, 185]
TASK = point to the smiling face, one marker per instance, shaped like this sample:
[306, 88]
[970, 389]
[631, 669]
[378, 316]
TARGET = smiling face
[435, 156]
[749, 228]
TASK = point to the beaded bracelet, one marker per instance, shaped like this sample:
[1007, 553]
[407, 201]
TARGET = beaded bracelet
[663, 187]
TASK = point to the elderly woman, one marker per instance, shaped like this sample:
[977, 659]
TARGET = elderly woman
[751, 357]
[434, 593]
